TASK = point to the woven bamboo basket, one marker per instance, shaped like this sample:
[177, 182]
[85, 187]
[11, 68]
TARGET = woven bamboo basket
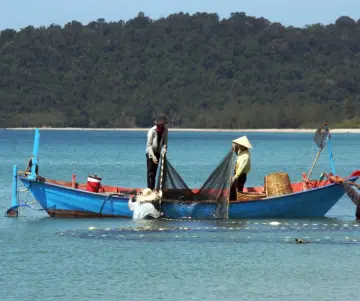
[277, 183]
[249, 196]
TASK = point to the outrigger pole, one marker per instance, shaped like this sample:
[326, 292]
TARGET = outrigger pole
[13, 211]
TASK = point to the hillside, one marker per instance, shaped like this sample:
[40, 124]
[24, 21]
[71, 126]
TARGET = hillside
[240, 72]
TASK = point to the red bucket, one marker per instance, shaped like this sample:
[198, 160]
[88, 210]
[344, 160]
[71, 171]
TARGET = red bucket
[93, 183]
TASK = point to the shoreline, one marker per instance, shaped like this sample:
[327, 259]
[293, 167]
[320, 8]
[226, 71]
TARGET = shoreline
[352, 131]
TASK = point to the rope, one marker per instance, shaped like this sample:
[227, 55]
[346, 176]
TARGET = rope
[28, 167]
[103, 204]
[312, 157]
[36, 209]
[27, 205]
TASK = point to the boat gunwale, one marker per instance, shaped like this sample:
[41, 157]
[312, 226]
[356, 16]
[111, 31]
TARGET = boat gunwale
[97, 194]
[291, 194]
[125, 195]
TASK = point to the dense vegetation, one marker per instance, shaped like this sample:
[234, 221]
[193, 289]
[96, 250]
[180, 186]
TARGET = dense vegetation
[240, 72]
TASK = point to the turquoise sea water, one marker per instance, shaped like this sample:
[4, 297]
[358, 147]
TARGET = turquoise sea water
[60, 259]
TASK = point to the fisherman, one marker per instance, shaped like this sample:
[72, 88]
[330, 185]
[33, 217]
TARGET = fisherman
[241, 147]
[143, 210]
[352, 194]
[157, 140]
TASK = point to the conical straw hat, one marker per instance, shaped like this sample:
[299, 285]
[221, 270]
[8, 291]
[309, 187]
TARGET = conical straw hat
[244, 141]
[147, 191]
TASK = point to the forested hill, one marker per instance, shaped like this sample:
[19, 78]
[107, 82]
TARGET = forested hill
[240, 72]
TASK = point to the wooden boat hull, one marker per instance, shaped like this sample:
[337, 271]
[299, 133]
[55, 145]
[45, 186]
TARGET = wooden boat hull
[307, 204]
[64, 201]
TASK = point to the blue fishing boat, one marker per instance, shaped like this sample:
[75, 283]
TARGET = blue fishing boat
[314, 202]
[304, 199]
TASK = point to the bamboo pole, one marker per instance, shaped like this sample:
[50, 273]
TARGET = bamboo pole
[313, 165]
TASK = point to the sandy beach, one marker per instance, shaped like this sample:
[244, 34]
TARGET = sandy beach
[350, 131]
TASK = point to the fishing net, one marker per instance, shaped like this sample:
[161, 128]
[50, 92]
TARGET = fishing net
[215, 190]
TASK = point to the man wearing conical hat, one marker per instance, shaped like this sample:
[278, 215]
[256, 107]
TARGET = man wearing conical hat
[241, 147]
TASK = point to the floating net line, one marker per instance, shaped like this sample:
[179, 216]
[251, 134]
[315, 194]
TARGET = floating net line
[215, 190]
